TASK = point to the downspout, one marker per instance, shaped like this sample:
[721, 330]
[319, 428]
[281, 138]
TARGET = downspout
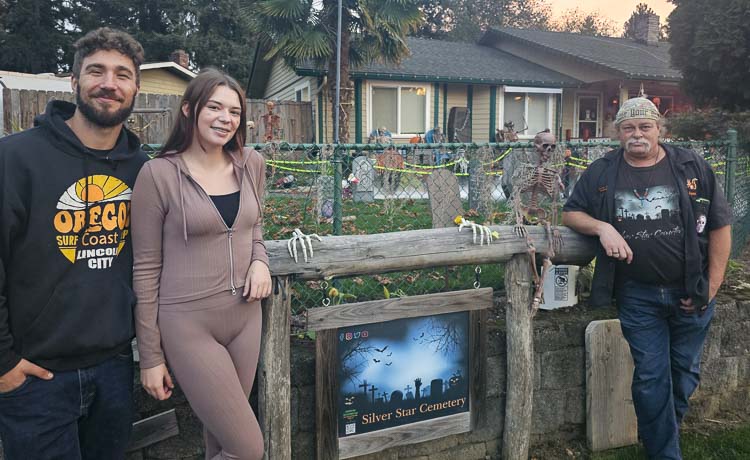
[358, 111]
[493, 112]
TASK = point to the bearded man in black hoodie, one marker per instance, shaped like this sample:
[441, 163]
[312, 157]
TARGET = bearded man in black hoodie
[66, 366]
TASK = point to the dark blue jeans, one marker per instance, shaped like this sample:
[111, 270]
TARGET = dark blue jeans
[78, 415]
[666, 344]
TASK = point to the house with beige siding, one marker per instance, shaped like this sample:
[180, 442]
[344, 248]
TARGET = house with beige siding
[569, 83]
[610, 70]
[165, 78]
[483, 88]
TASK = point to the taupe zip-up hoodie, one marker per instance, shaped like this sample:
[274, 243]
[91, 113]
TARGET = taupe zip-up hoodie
[182, 249]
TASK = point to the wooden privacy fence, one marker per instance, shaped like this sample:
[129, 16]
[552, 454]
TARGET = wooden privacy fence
[341, 256]
[152, 117]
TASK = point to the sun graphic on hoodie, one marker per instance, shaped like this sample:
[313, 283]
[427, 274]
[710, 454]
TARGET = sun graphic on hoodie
[106, 222]
[97, 188]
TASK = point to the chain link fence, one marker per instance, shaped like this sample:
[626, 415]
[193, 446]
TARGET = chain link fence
[377, 188]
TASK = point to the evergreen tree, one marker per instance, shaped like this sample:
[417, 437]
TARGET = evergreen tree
[642, 9]
[469, 19]
[222, 38]
[710, 45]
[33, 36]
[580, 22]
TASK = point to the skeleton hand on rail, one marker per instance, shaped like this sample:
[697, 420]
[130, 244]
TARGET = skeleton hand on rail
[483, 230]
[305, 241]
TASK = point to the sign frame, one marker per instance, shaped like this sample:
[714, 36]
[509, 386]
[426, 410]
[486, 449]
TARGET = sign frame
[326, 322]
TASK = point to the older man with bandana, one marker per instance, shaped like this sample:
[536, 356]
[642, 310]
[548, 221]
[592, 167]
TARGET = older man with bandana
[664, 231]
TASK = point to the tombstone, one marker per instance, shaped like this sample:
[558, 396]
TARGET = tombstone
[363, 169]
[324, 201]
[436, 388]
[396, 397]
[445, 201]
[610, 416]
[479, 187]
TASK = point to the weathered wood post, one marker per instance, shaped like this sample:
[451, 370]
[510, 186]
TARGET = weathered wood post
[274, 375]
[520, 358]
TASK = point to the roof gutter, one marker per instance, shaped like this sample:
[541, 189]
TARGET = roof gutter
[307, 72]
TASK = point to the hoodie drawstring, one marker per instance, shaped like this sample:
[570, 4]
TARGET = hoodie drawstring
[182, 203]
[85, 194]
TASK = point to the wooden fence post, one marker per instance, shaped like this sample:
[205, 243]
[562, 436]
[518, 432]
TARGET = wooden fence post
[520, 358]
[274, 379]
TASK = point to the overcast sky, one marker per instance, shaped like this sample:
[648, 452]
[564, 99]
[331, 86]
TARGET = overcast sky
[617, 10]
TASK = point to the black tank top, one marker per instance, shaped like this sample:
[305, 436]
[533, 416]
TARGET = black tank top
[228, 206]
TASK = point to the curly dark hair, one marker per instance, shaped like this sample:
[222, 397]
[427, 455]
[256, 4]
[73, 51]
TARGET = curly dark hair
[105, 38]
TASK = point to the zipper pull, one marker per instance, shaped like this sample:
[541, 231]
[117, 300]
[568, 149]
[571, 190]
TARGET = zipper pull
[234, 291]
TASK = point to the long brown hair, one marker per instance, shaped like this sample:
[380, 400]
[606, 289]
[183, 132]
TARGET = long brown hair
[196, 96]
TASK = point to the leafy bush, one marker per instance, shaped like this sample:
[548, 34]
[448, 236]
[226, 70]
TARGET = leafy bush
[709, 124]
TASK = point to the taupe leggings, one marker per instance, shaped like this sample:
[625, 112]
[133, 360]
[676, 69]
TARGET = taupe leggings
[212, 346]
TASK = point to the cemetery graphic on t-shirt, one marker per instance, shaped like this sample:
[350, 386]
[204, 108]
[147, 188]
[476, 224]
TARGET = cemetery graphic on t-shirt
[642, 214]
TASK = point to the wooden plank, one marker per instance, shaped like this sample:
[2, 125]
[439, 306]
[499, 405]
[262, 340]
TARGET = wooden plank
[274, 373]
[520, 346]
[417, 249]
[610, 416]
[354, 446]
[153, 429]
[15, 115]
[478, 343]
[377, 311]
[7, 126]
[24, 107]
[326, 389]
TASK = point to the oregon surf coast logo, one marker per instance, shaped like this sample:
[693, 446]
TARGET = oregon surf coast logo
[107, 224]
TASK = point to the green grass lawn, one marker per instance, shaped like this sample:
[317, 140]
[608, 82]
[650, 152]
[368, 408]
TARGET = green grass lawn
[284, 214]
[733, 444]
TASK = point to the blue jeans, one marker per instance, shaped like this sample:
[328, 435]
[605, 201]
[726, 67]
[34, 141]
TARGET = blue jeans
[666, 344]
[78, 415]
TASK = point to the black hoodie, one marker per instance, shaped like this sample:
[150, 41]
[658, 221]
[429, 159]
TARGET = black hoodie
[66, 260]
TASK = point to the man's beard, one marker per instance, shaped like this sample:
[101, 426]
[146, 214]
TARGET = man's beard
[103, 118]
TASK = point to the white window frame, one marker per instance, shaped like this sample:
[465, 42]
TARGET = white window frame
[599, 108]
[395, 131]
[300, 87]
[551, 92]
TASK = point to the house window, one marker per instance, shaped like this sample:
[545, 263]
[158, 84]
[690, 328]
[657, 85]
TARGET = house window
[302, 92]
[401, 109]
[530, 109]
[529, 112]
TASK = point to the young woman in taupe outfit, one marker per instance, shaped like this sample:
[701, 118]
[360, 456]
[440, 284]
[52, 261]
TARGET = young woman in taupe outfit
[200, 265]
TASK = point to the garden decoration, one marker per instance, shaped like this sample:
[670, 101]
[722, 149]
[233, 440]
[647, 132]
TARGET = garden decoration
[271, 123]
[483, 230]
[305, 242]
[536, 189]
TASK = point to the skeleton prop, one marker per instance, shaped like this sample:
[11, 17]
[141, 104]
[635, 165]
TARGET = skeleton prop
[483, 230]
[532, 185]
[305, 242]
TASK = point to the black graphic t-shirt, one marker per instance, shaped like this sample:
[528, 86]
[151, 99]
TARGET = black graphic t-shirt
[647, 215]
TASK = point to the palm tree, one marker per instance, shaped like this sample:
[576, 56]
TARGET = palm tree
[305, 31]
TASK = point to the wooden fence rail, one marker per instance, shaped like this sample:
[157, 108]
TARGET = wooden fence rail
[338, 256]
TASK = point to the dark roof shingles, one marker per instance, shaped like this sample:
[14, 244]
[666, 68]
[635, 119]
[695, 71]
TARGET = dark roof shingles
[456, 61]
[620, 54]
